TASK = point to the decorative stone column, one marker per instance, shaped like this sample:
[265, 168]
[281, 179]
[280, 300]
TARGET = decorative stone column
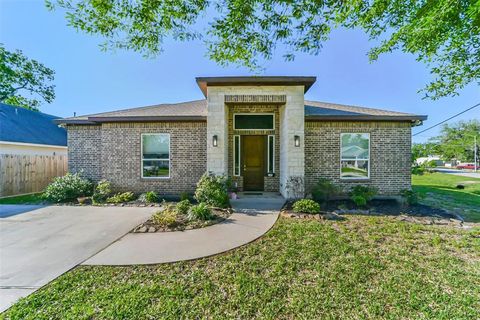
[217, 125]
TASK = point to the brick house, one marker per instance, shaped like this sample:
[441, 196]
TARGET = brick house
[260, 131]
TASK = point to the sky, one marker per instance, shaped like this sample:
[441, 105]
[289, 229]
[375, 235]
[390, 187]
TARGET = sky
[89, 80]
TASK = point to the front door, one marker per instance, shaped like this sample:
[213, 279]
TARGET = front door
[253, 150]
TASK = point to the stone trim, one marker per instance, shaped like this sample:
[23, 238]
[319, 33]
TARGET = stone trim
[255, 98]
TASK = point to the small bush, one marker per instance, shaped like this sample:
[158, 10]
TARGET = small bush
[361, 195]
[166, 217]
[184, 196]
[121, 197]
[200, 212]
[418, 170]
[212, 190]
[306, 206]
[151, 196]
[183, 206]
[102, 191]
[411, 197]
[68, 187]
[324, 190]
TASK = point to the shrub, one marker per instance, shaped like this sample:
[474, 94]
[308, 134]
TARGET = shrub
[121, 197]
[102, 191]
[306, 206]
[184, 196]
[212, 190]
[411, 197]
[166, 217]
[68, 187]
[151, 196]
[183, 206]
[324, 190]
[361, 195]
[200, 212]
[418, 170]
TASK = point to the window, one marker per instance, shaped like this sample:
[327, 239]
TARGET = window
[271, 154]
[355, 156]
[155, 155]
[236, 155]
[253, 121]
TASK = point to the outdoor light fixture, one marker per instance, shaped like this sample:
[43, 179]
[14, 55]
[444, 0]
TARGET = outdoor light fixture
[297, 141]
[215, 140]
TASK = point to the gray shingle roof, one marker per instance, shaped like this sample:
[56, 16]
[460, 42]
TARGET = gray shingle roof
[25, 126]
[197, 110]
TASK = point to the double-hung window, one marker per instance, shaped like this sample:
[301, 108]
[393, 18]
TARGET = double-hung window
[155, 155]
[355, 156]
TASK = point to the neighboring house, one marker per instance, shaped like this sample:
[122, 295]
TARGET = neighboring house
[33, 150]
[437, 159]
[29, 132]
[258, 130]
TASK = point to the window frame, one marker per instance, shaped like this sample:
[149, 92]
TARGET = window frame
[268, 154]
[235, 155]
[368, 160]
[169, 155]
[254, 114]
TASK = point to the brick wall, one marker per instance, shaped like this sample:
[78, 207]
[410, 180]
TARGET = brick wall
[390, 149]
[118, 153]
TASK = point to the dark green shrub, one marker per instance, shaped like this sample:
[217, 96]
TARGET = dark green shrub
[200, 212]
[166, 217]
[212, 190]
[418, 170]
[102, 191]
[411, 197]
[306, 206]
[151, 196]
[184, 196]
[183, 206]
[324, 190]
[121, 197]
[67, 188]
[361, 195]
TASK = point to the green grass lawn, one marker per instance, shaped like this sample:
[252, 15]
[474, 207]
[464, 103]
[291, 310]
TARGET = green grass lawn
[440, 191]
[362, 267]
[24, 199]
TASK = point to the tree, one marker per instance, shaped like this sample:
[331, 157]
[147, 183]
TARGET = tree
[444, 34]
[426, 149]
[24, 82]
[456, 141]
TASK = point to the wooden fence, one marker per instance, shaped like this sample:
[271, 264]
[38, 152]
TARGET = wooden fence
[20, 174]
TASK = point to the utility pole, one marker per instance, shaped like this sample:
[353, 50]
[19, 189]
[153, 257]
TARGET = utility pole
[475, 151]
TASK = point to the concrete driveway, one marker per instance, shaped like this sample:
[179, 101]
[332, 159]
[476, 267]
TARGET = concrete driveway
[39, 245]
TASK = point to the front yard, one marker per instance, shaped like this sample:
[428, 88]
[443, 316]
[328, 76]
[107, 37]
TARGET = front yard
[362, 267]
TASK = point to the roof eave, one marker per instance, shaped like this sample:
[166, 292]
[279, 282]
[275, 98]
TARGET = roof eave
[97, 120]
[411, 118]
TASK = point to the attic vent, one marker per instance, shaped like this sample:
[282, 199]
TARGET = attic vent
[255, 98]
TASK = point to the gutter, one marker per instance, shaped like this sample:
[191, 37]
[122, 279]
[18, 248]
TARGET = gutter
[98, 120]
[412, 118]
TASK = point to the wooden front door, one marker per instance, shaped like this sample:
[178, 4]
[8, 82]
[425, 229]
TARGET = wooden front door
[253, 151]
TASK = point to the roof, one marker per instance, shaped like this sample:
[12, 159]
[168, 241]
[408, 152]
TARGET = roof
[26, 126]
[197, 111]
[204, 82]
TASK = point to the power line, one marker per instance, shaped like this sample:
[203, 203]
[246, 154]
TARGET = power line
[436, 125]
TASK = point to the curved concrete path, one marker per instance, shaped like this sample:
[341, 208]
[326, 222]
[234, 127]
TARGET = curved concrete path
[252, 218]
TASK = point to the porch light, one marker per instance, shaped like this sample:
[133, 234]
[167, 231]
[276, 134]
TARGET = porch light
[297, 141]
[215, 140]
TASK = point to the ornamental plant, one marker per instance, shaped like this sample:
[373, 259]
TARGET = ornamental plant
[102, 191]
[151, 197]
[361, 195]
[121, 197]
[324, 190]
[200, 212]
[306, 206]
[166, 217]
[68, 188]
[183, 206]
[212, 190]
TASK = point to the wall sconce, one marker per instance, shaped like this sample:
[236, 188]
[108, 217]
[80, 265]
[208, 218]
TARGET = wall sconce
[215, 140]
[297, 141]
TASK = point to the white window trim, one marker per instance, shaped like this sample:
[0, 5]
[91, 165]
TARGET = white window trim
[142, 159]
[253, 114]
[234, 155]
[268, 154]
[368, 160]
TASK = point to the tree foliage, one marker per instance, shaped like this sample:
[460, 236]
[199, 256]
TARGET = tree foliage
[24, 82]
[444, 34]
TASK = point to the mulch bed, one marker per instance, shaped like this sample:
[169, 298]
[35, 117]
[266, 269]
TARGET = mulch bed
[183, 223]
[338, 209]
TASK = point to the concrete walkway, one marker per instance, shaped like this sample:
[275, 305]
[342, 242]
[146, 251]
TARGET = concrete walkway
[39, 245]
[252, 217]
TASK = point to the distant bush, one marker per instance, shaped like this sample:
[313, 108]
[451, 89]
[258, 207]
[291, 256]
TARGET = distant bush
[418, 170]
[69, 187]
[121, 197]
[212, 190]
[102, 191]
[361, 195]
[306, 206]
[323, 190]
[166, 217]
[183, 206]
[411, 197]
[200, 212]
